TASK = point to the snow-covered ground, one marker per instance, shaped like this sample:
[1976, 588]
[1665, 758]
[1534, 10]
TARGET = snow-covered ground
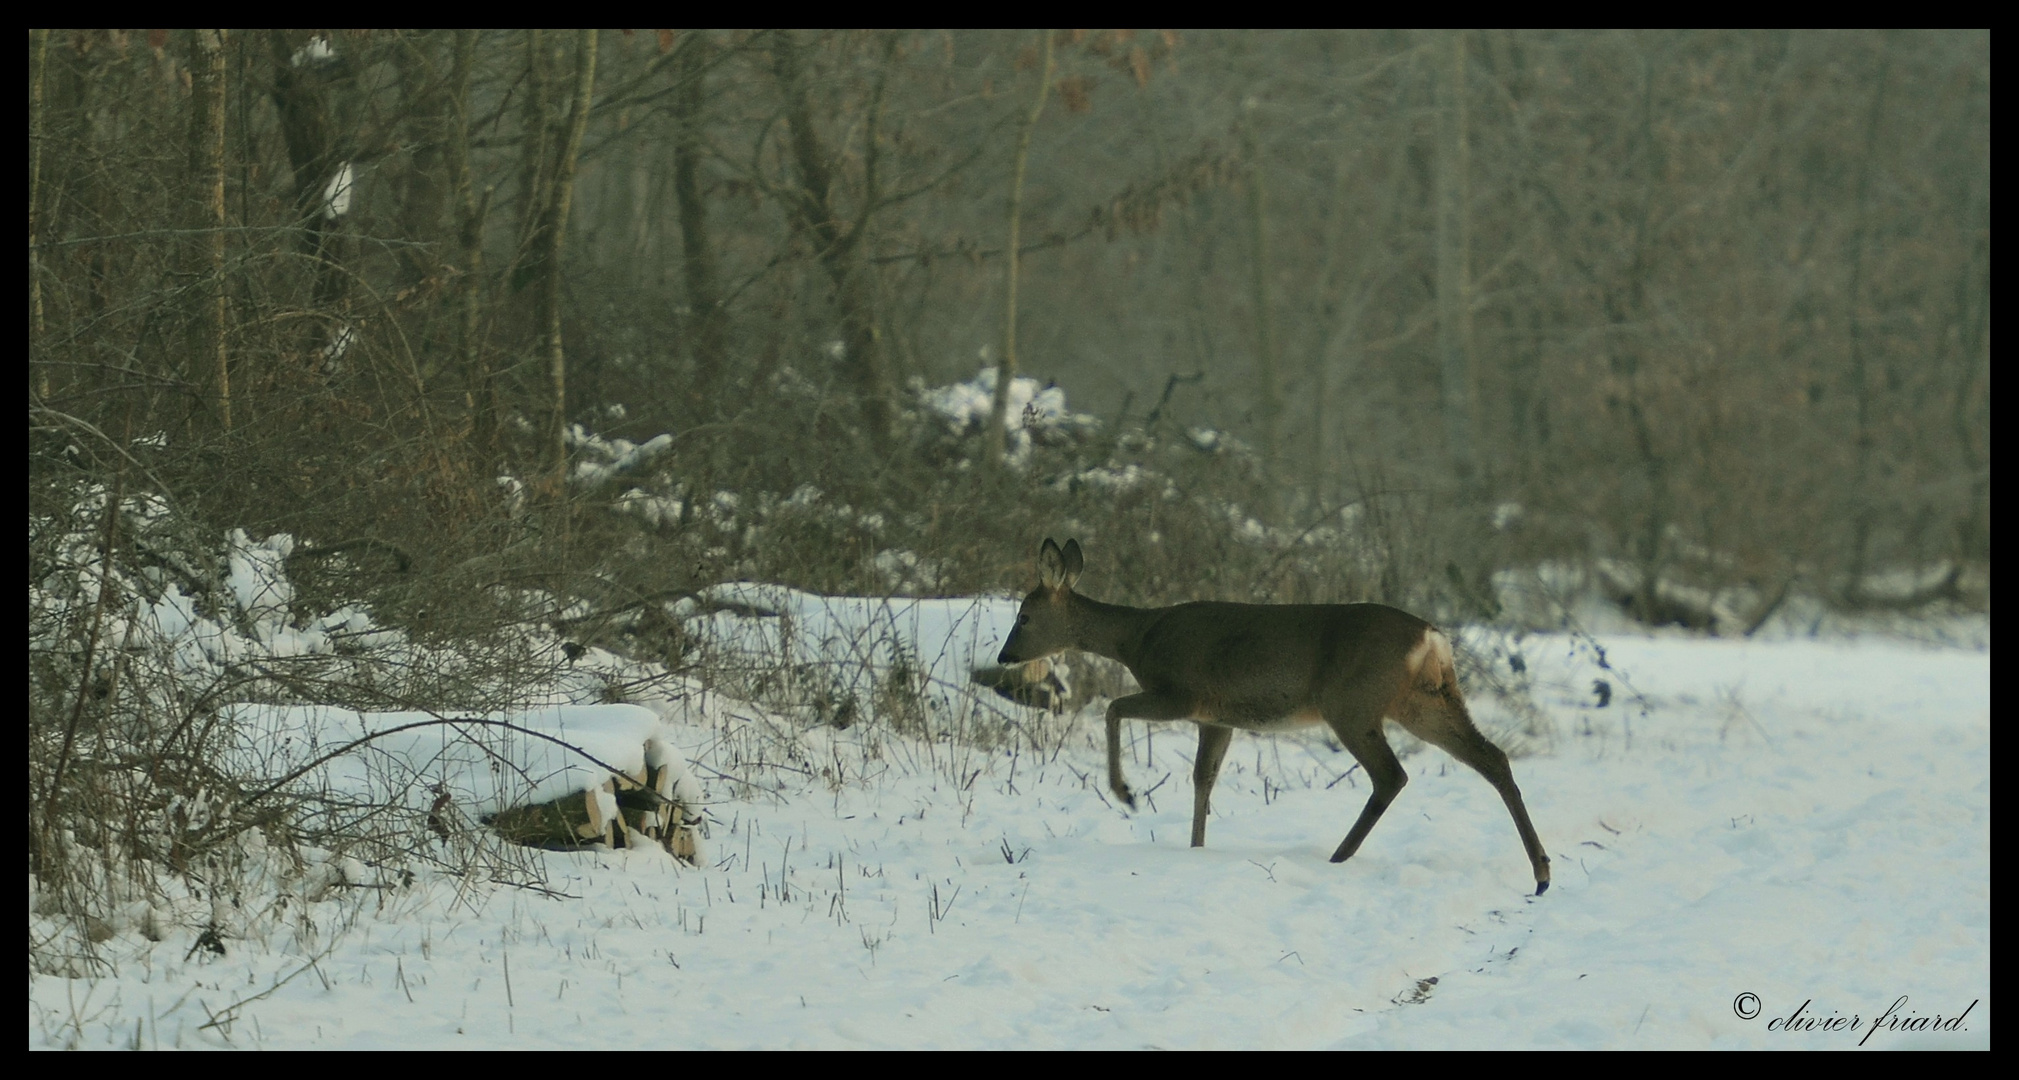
[1788, 827]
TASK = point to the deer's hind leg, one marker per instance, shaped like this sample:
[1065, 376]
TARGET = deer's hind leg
[1439, 717]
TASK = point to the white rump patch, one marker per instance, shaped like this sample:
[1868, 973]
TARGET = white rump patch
[1430, 659]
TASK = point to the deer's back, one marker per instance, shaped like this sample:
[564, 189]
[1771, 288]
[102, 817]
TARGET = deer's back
[1266, 666]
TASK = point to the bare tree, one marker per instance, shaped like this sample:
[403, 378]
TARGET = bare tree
[1454, 256]
[1006, 370]
[38, 64]
[206, 176]
[548, 239]
[1268, 391]
[814, 201]
[310, 77]
[697, 246]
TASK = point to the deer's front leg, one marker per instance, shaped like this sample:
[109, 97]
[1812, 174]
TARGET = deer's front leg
[1115, 782]
[1144, 706]
[1213, 740]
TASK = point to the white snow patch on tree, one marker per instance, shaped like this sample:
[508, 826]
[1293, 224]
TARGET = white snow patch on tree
[316, 51]
[336, 195]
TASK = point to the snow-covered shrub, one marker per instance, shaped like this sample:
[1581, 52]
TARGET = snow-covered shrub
[1035, 414]
[190, 722]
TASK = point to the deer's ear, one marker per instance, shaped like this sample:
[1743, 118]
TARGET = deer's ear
[1051, 564]
[1072, 562]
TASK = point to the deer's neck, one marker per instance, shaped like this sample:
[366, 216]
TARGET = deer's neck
[1111, 630]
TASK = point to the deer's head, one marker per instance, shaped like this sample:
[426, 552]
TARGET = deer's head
[1045, 623]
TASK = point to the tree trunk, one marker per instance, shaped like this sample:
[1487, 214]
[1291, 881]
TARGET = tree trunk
[38, 61]
[480, 387]
[535, 163]
[552, 232]
[1006, 371]
[424, 198]
[704, 294]
[1268, 394]
[206, 182]
[1454, 256]
[862, 344]
[302, 88]
[1864, 501]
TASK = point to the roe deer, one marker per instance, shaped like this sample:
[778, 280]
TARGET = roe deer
[1268, 667]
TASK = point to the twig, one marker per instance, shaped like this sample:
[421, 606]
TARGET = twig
[355, 743]
[226, 1015]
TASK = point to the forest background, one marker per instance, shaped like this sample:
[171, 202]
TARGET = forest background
[1711, 305]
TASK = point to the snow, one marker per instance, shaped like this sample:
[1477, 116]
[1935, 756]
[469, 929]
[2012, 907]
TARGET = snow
[1109, 478]
[1032, 410]
[342, 334]
[658, 510]
[336, 195]
[485, 766]
[854, 644]
[316, 51]
[255, 578]
[1807, 821]
[618, 456]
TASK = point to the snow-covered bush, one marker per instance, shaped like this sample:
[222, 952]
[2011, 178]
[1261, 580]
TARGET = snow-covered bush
[1036, 414]
[804, 503]
[194, 735]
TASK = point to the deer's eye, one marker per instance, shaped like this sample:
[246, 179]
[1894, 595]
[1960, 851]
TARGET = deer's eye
[1022, 619]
